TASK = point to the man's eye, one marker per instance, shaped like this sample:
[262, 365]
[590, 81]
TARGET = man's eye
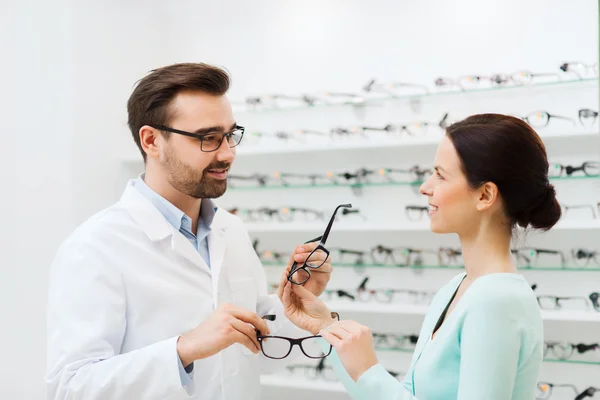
[210, 138]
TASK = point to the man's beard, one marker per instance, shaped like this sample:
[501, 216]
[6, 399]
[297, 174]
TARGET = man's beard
[194, 183]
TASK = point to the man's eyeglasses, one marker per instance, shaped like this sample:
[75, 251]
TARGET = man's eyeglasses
[209, 141]
[300, 274]
[279, 347]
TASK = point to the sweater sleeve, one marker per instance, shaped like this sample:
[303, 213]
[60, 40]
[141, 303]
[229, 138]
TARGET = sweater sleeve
[490, 343]
[374, 384]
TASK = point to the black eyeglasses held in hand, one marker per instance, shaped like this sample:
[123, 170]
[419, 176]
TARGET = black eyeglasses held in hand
[279, 347]
[301, 274]
[210, 141]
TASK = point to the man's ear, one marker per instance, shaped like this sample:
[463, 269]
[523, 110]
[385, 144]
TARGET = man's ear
[487, 195]
[148, 141]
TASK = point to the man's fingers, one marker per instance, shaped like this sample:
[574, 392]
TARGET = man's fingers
[250, 318]
[247, 330]
[244, 340]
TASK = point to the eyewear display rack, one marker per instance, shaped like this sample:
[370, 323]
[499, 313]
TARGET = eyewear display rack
[340, 145]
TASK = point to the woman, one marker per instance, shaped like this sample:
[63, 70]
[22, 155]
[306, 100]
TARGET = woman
[482, 337]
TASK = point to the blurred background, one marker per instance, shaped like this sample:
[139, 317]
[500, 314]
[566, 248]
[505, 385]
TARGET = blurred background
[68, 68]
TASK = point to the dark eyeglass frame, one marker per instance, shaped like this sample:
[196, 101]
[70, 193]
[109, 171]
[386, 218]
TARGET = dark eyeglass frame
[587, 255]
[569, 169]
[534, 258]
[385, 339]
[551, 387]
[589, 392]
[548, 118]
[202, 136]
[260, 179]
[292, 341]
[306, 267]
[586, 113]
[557, 300]
[412, 209]
[570, 348]
[566, 208]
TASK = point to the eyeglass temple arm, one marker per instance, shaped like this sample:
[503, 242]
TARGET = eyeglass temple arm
[330, 224]
[561, 117]
[589, 392]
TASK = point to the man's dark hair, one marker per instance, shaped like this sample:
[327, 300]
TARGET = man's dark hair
[150, 102]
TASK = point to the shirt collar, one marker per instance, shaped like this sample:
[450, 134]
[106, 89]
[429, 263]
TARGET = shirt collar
[177, 218]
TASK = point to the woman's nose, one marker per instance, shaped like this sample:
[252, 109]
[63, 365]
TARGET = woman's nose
[425, 188]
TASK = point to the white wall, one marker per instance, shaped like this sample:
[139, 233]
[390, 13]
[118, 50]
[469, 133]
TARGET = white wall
[72, 65]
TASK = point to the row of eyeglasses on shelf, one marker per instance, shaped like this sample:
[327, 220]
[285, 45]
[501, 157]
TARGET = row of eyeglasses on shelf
[591, 302]
[537, 119]
[415, 174]
[544, 390]
[413, 213]
[380, 255]
[373, 88]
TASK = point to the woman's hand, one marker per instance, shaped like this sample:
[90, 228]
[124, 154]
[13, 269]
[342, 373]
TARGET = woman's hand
[353, 343]
[302, 307]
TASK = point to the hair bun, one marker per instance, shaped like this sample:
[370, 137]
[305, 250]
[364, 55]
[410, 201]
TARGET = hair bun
[544, 214]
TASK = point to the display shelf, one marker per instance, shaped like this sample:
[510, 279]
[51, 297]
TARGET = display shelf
[548, 360]
[374, 184]
[370, 99]
[413, 309]
[298, 147]
[299, 383]
[442, 267]
[366, 227]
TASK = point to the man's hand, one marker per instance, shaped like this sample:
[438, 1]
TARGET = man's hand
[226, 326]
[319, 276]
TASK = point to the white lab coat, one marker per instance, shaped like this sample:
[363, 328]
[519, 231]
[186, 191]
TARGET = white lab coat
[126, 284]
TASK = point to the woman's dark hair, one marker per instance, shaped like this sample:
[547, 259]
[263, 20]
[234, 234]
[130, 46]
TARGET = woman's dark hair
[506, 151]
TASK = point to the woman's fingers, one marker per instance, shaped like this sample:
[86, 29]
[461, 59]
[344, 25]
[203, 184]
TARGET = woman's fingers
[331, 339]
[302, 293]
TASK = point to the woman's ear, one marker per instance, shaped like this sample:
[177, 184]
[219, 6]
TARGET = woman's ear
[487, 195]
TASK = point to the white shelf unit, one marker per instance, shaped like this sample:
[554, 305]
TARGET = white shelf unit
[421, 310]
[286, 382]
[564, 144]
[565, 225]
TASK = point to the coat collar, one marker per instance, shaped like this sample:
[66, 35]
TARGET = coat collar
[150, 219]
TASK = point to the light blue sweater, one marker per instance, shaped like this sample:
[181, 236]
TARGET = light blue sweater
[489, 348]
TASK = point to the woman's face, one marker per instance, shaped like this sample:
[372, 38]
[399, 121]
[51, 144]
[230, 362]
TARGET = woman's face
[452, 202]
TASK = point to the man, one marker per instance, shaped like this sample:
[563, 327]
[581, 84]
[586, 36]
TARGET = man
[160, 295]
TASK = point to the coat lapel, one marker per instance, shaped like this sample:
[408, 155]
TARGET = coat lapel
[217, 244]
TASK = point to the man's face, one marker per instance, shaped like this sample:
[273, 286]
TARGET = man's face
[190, 170]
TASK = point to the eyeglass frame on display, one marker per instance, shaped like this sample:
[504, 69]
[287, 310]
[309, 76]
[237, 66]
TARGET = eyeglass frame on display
[580, 347]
